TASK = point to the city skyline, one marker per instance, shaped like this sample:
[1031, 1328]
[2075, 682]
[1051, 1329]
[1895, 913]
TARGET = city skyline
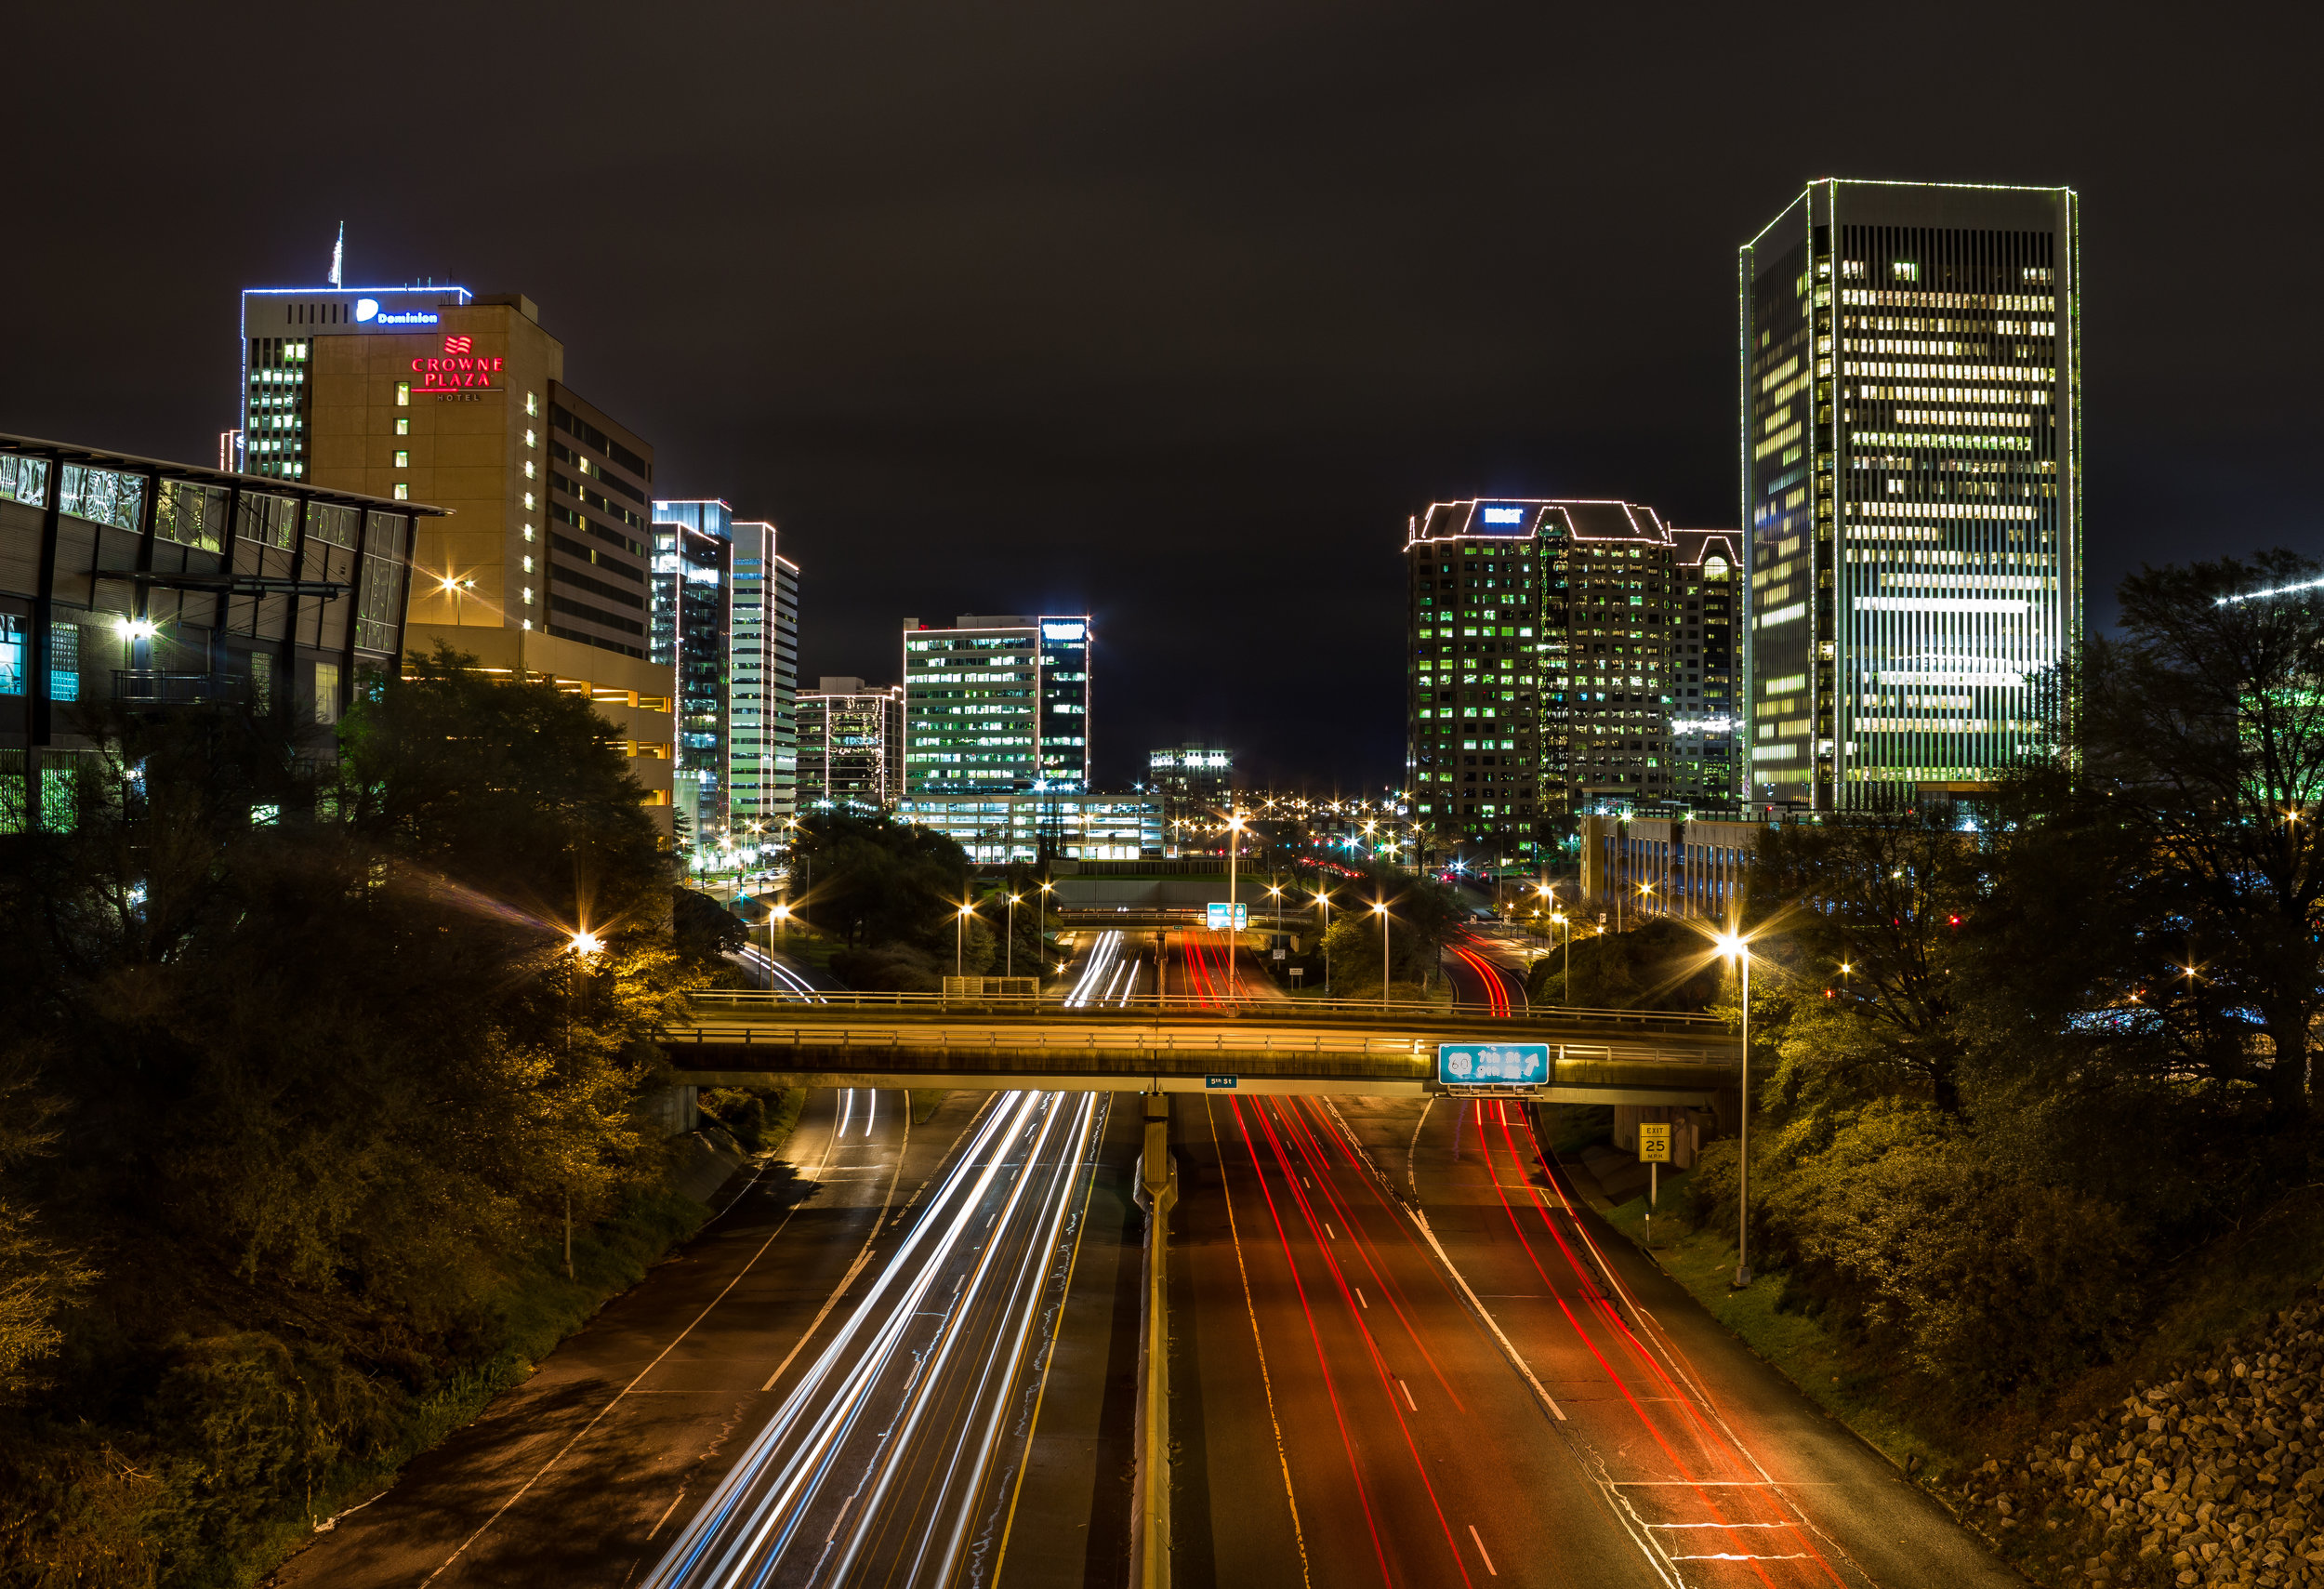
[1246, 363]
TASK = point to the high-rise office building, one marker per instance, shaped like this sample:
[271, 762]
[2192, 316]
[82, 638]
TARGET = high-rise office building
[694, 570]
[850, 744]
[1542, 678]
[1911, 482]
[996, 703]
[432, 394]
[1705, 724]
[782, 686]
[1193, 782]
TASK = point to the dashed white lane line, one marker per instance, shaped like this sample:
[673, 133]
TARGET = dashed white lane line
[1407, 1395]
[1491, 1571]
[666, 1512]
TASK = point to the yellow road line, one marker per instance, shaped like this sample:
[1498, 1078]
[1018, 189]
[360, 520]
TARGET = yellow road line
[1251, 1307]
[1000, 1557]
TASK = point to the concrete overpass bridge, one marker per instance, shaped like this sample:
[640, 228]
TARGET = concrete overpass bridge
[1257, 1045]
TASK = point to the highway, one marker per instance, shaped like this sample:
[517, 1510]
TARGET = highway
[1566, 1399]
[899, 1451]
[1345, 1418]
[585, 1474]
[1485, 975]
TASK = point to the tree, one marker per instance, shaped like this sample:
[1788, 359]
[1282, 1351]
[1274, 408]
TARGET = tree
[2203, 729]
[1885, 894]
[333, 1064]
[879, 882]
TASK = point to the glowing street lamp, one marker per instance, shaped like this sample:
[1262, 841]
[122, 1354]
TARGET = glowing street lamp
[586, 943]
[1737, 946]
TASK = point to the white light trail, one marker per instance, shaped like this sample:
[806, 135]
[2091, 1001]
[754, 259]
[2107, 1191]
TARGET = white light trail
[1092, 985]
[892, 1456]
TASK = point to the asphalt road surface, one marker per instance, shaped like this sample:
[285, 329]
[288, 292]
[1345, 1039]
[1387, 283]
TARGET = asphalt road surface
[1497, 1391]
[590, 1472]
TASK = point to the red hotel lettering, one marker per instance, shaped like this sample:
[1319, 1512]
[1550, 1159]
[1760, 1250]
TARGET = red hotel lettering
[451, 375]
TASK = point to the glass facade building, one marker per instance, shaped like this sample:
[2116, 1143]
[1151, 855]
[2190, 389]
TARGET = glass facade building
[996, 831]
[149, 585]
[693, 568]
[1910, 461]
[851, 740]
[996, 703]
[1706, 718]
[1542, 672]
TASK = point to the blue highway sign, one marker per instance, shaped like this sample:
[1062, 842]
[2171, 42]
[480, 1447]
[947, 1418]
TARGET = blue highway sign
[1493, 1065]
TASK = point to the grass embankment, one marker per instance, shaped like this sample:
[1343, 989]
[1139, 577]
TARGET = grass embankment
[2225, 1289]
[537, 1306]
[1852, 1384]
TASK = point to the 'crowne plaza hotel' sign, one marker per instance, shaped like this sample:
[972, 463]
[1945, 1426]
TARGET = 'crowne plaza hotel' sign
[460, 369]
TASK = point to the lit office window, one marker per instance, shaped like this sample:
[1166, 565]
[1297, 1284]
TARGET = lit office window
[403, 395]
[403, 459]
[402, 492]
[403, 427]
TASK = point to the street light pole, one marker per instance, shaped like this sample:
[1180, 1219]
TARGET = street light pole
[1234, 844]
[1381, 909]
[1736, 946]
[1009, 953]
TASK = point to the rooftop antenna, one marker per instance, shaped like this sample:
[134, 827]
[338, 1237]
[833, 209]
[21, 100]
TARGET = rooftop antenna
[337, 277]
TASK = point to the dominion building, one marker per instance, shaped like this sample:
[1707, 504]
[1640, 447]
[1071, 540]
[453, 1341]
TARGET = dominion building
[1564, 656]
[1911, 464]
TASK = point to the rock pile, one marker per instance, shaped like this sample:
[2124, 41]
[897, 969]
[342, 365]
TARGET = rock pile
[2211, 1478]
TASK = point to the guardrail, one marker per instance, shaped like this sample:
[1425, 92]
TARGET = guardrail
[1147, 1006]
[1418, 1049]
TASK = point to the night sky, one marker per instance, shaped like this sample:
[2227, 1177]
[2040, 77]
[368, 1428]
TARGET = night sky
[1172, 314]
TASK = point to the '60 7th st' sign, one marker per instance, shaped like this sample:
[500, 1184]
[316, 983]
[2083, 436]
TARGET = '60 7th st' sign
[1493, 1065]
[460, 369]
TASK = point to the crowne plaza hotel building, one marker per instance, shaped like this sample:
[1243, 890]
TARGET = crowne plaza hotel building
[541, 563]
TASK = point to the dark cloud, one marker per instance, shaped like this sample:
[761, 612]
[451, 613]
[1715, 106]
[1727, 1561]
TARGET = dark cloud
[1172, 313]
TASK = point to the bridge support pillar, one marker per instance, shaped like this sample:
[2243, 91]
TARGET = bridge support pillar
[1153, 1164]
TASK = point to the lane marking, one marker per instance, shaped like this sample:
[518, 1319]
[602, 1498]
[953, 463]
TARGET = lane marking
[1328, 1231]
[485, 1526]
[1420, 1222]
[863, 1256]
[1097, 1145]
[1359, 1297]
[1407, 1395]
[1490, 1570]
[1235, 1236]
[666, 1512]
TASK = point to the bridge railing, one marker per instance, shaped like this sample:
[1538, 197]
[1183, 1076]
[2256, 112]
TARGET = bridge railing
[1061, 1004]
[1095, 1044]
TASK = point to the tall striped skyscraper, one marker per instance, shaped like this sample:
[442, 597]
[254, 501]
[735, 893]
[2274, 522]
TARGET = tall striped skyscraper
[1911, 482]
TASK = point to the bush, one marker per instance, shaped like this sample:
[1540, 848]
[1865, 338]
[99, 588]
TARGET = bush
[888, 968]
[754, 1115]
[1982, 1279]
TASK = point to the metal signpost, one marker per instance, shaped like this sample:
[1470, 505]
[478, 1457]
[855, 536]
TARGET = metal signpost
[1654, 1151]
